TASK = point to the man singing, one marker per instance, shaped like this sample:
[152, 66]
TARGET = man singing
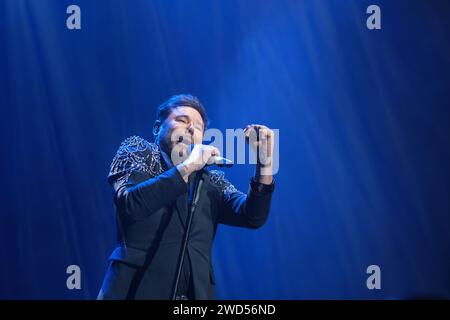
[153, 189]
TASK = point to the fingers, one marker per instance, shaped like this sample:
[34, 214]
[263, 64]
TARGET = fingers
[209, 152]
[251, 133]
[258, 131]
[214, 151]
[256, 127]
[266, 134]
[261, 138]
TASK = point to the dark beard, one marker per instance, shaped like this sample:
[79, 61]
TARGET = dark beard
[167, 146]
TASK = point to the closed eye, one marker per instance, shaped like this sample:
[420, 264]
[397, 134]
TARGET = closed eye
[182, 119]
[186, 120]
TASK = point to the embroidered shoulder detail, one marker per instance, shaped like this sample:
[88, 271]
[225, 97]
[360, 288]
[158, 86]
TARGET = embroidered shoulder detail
[218, 178]
[136, 154]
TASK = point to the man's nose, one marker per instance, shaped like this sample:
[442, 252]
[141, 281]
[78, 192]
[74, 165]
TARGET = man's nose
[191, 129]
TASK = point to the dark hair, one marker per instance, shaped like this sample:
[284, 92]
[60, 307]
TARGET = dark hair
[181, 100]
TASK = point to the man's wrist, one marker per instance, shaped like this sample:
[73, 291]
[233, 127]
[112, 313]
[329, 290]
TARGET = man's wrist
[184, 170]
[263, 174]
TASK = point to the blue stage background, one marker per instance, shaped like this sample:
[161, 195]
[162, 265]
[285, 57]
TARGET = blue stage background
[364, 137]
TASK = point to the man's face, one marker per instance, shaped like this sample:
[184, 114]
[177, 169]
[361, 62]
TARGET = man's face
[183, 127]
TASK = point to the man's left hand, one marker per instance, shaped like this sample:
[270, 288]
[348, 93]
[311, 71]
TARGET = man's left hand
[261, 140]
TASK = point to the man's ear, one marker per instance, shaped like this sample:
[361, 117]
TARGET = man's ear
[156, 128]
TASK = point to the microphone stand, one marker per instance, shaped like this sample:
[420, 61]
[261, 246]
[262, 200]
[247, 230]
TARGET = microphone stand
[197, 190]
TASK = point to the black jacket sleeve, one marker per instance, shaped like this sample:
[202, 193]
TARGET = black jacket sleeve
[242, 210]
[140, 185]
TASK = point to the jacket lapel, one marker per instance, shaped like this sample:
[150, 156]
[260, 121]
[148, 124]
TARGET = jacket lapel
[182, 203]
[181, 206]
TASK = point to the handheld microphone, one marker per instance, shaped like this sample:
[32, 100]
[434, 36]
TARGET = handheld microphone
[221, 162]
[216, 160]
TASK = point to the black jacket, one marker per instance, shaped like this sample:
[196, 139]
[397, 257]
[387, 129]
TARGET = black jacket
[151, 206]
